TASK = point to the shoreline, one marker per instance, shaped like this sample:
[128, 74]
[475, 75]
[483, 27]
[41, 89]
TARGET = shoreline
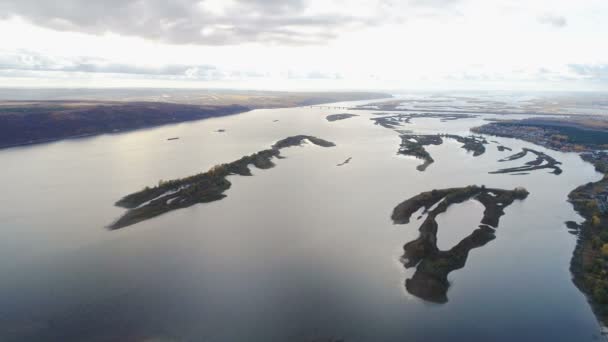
[587, 263]
[127, 130]
[89, 135]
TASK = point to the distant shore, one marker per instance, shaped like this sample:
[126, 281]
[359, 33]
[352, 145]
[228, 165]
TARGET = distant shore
[29, 122]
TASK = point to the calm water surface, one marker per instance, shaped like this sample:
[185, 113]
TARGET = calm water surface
[305, 251]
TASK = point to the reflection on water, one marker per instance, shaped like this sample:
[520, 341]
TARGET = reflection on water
[300, 252]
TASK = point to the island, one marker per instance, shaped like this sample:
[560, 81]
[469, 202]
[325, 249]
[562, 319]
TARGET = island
[542, 161]
[430, 280]
[413, 145]
[336, 117]
[345, 162]
[471, 143]
[390, 120]
[200, 188]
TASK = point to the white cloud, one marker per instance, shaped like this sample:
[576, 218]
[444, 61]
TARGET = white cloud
[553, 20]
[305, 43]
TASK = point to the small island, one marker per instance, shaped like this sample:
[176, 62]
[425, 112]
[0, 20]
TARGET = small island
[430, 281]
[542, 161]
[345, 162]
[471, 143]
[201, 188]
[336, 117]
[392, 121]
[413, 145]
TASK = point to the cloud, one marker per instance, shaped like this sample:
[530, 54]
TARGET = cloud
[25, 63]
[209, 22]
[591, 72]
[434, 3]
[28, 61]
[553, 20]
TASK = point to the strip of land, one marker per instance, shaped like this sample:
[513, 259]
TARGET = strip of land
[31, 121]
[23, 124]
[542, 161]
[567, 135]
[200, 188]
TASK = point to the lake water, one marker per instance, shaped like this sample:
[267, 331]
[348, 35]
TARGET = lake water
[305, 251]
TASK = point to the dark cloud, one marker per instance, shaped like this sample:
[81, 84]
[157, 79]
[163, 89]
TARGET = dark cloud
[553, 20]
[188, 21]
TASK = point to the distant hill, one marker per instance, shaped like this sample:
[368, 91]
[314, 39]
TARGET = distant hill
[249, 98]
[34, 116]
[29, 123]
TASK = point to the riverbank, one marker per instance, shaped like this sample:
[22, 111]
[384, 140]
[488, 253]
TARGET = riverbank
[589, 262]
[28, 122]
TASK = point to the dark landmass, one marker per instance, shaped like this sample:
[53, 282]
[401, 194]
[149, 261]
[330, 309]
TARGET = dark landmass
[394, 120]
[221, 130]
[503, 148]
[589, 264]
[174, 138]
[254, 99]
[430, 281]
[390, 122]
[566, 135]
[201, 188]
[42, 122]
[471, 143]
[345, 162]
[336, 117]
[413, 145]
[488, 107]
[599, 159]
[87, 112]
[542, 161]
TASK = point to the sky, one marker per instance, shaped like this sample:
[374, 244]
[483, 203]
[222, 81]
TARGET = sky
[306, 44]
